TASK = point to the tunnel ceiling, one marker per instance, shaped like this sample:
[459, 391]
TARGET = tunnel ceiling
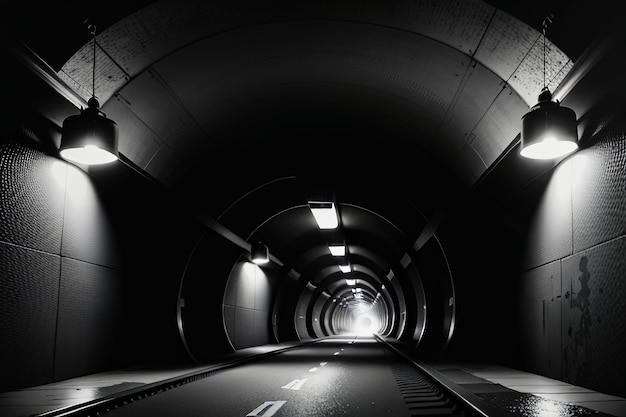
[249, 109]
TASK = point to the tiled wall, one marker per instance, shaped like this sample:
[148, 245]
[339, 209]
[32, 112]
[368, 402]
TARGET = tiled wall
[573, 291]
[60, 276]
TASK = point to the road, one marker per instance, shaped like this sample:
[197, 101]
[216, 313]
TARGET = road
[346, 376]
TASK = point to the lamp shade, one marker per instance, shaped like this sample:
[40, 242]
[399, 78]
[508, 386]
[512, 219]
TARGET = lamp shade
[548, 130]
[89, 137]
[259, 254]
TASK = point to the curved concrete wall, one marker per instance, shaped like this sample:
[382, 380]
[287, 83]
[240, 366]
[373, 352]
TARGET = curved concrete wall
[247, 305]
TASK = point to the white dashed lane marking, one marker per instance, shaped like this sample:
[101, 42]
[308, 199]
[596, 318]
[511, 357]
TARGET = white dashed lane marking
[296, 384]
[267, 409]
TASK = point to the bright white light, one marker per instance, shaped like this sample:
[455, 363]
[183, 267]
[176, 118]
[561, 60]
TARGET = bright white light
[544, 407]
[351, 282]
[337, 250]
[89, 155]
[365, 324]
[259, 254]
[576, 166]
[58, 171]
[549, 148]
[260, 260]
[345, 268]
[325, 214]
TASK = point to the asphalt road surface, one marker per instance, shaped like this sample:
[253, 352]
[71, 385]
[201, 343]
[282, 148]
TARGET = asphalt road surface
[336, 377]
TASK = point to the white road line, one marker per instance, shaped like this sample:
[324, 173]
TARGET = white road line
[312, 369]
[267, 409]
[323, 363]
[296, 384]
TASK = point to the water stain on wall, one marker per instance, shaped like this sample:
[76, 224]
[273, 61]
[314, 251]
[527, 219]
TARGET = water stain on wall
[577, 351]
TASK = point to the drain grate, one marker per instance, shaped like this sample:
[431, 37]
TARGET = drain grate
[422, 396]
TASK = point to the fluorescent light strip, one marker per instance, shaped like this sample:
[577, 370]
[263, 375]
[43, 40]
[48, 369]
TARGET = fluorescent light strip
[337, 250]
[325, 214]
[345, 268]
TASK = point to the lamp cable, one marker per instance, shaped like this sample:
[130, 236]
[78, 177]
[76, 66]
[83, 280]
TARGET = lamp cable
[544, 25]
[92, 29]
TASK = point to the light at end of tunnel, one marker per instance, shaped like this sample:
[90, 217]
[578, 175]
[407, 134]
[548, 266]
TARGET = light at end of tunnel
[365, 324]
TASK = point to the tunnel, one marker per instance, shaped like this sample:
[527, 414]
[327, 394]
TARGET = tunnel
[238, 123]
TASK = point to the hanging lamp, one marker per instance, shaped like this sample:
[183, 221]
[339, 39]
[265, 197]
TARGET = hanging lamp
[90, 137]
[549, 130]
[259, 253]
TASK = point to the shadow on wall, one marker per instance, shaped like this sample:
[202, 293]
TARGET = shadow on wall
[573, 288]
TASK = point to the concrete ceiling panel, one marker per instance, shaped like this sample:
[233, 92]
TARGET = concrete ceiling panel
[479, 89]
[470, 165]
[150, 100]
[136, 140]
[168, 167]
[190, 59]
[500, 126]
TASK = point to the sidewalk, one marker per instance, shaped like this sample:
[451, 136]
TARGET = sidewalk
[541, 396]
[55, 398]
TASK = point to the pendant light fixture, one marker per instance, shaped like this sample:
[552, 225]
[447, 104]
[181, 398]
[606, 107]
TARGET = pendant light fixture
[90, 137]
[549, 130]
[259, 253]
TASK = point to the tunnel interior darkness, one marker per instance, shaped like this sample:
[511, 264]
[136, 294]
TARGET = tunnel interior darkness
[235, 119]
